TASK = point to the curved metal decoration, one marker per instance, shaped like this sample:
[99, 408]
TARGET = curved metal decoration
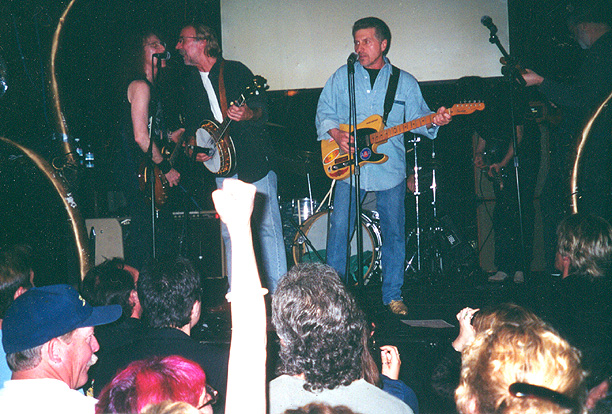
[59, 116]
[583, 139]
[79, 231]
[78, 225]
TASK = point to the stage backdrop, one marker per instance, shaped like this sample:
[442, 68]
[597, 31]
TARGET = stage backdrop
[299, 43]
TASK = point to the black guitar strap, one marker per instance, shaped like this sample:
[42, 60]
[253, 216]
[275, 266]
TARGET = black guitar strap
[391, 89]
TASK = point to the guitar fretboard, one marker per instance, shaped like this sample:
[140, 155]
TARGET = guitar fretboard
[457, 109]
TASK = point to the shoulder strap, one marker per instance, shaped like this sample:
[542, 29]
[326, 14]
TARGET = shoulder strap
[391, 89]
[222, 98]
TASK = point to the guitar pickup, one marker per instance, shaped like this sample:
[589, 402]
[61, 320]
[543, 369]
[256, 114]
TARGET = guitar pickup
[340, 165]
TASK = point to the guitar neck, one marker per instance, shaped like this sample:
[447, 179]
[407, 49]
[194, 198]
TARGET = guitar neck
[385, 134]
[226, 122]
[176, 150]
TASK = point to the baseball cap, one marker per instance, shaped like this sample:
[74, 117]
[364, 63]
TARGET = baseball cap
[44, 313]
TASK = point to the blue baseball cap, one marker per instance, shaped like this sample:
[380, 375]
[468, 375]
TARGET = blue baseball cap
[44, 313]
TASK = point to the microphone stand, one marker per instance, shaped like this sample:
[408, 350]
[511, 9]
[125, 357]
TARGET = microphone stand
[354, 150]
[154, 94]
[513, 77]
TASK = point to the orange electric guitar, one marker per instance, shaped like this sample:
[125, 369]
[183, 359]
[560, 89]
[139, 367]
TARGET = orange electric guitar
[370, 134]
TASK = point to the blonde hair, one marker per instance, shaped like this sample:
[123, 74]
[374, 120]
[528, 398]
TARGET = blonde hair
[529, 353]
[587, 241]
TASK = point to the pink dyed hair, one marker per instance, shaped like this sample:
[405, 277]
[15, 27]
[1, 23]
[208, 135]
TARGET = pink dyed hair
[151, 381]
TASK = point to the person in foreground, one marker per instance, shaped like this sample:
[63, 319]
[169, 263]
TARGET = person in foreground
[16, 277]
[49, 340]
[169, 290]
[154, 380]
[520, 368]
[321, 333]
[582, 301]
[234, 202]
[373, 76]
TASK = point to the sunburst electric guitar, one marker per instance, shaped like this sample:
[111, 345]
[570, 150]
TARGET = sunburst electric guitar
[370, 134]
[162, 186]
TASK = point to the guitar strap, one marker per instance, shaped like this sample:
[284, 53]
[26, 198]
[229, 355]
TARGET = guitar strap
[222, 98]
[391, 89]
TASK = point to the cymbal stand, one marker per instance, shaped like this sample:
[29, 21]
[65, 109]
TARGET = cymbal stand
[436, 224]
[432, 234]
[417, 231]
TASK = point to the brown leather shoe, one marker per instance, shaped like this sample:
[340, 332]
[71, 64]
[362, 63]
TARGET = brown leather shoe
[398, 307]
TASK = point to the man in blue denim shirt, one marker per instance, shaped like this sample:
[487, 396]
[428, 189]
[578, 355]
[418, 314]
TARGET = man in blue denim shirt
[372, 40]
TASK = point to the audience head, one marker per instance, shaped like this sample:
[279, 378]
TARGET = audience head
[320, 408]
[49, 331]
[169, 290]
[584, 245]
[16, 274]
[494, 316]
[111, 283]
[170, 407]
[320, 327]
[381, 30]
[546, 367]
[154, 380]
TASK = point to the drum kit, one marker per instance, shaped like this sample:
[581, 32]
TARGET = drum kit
[306, 224]
[429, 245]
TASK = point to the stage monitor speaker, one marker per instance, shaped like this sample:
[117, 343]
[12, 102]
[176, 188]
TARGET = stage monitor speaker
[106, 238]
[200, 241]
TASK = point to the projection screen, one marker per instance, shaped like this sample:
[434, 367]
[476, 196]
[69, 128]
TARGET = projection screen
[298, 44]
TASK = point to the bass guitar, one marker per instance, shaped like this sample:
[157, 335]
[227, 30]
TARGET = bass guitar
[370, 134]
[162, 187]
[214, 140]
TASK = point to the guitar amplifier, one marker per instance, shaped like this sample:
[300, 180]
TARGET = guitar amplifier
[106, 238]
[199, 239]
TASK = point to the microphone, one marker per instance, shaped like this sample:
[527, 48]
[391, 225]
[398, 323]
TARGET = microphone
[162, 56]
[488, 23]
[352, 58]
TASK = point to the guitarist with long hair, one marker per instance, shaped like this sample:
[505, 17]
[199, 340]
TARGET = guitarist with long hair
[216, 107]
[142, 133]
[373, 71]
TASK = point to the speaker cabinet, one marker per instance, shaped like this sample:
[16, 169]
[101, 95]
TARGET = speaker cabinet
[106, 238]
[199, 239]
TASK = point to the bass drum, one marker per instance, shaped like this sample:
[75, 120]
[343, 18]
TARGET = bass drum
[314, 231]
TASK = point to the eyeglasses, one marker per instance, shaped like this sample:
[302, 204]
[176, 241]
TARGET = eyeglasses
[181, 39]
[156, 45]
[212, 394]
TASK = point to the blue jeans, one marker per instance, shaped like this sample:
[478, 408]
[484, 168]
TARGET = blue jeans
[267, 226]
[390, 207]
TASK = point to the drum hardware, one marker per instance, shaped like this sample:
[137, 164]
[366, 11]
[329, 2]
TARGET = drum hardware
[435, 235]
[309, 243]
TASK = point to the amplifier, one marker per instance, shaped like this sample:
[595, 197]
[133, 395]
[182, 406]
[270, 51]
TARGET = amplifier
[199, 239]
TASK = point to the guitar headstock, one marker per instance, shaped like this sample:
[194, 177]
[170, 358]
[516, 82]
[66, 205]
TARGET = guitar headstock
[258, 84]
[466, 108]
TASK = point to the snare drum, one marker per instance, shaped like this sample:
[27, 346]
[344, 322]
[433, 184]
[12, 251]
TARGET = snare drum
[304, 208]
[315, 230]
